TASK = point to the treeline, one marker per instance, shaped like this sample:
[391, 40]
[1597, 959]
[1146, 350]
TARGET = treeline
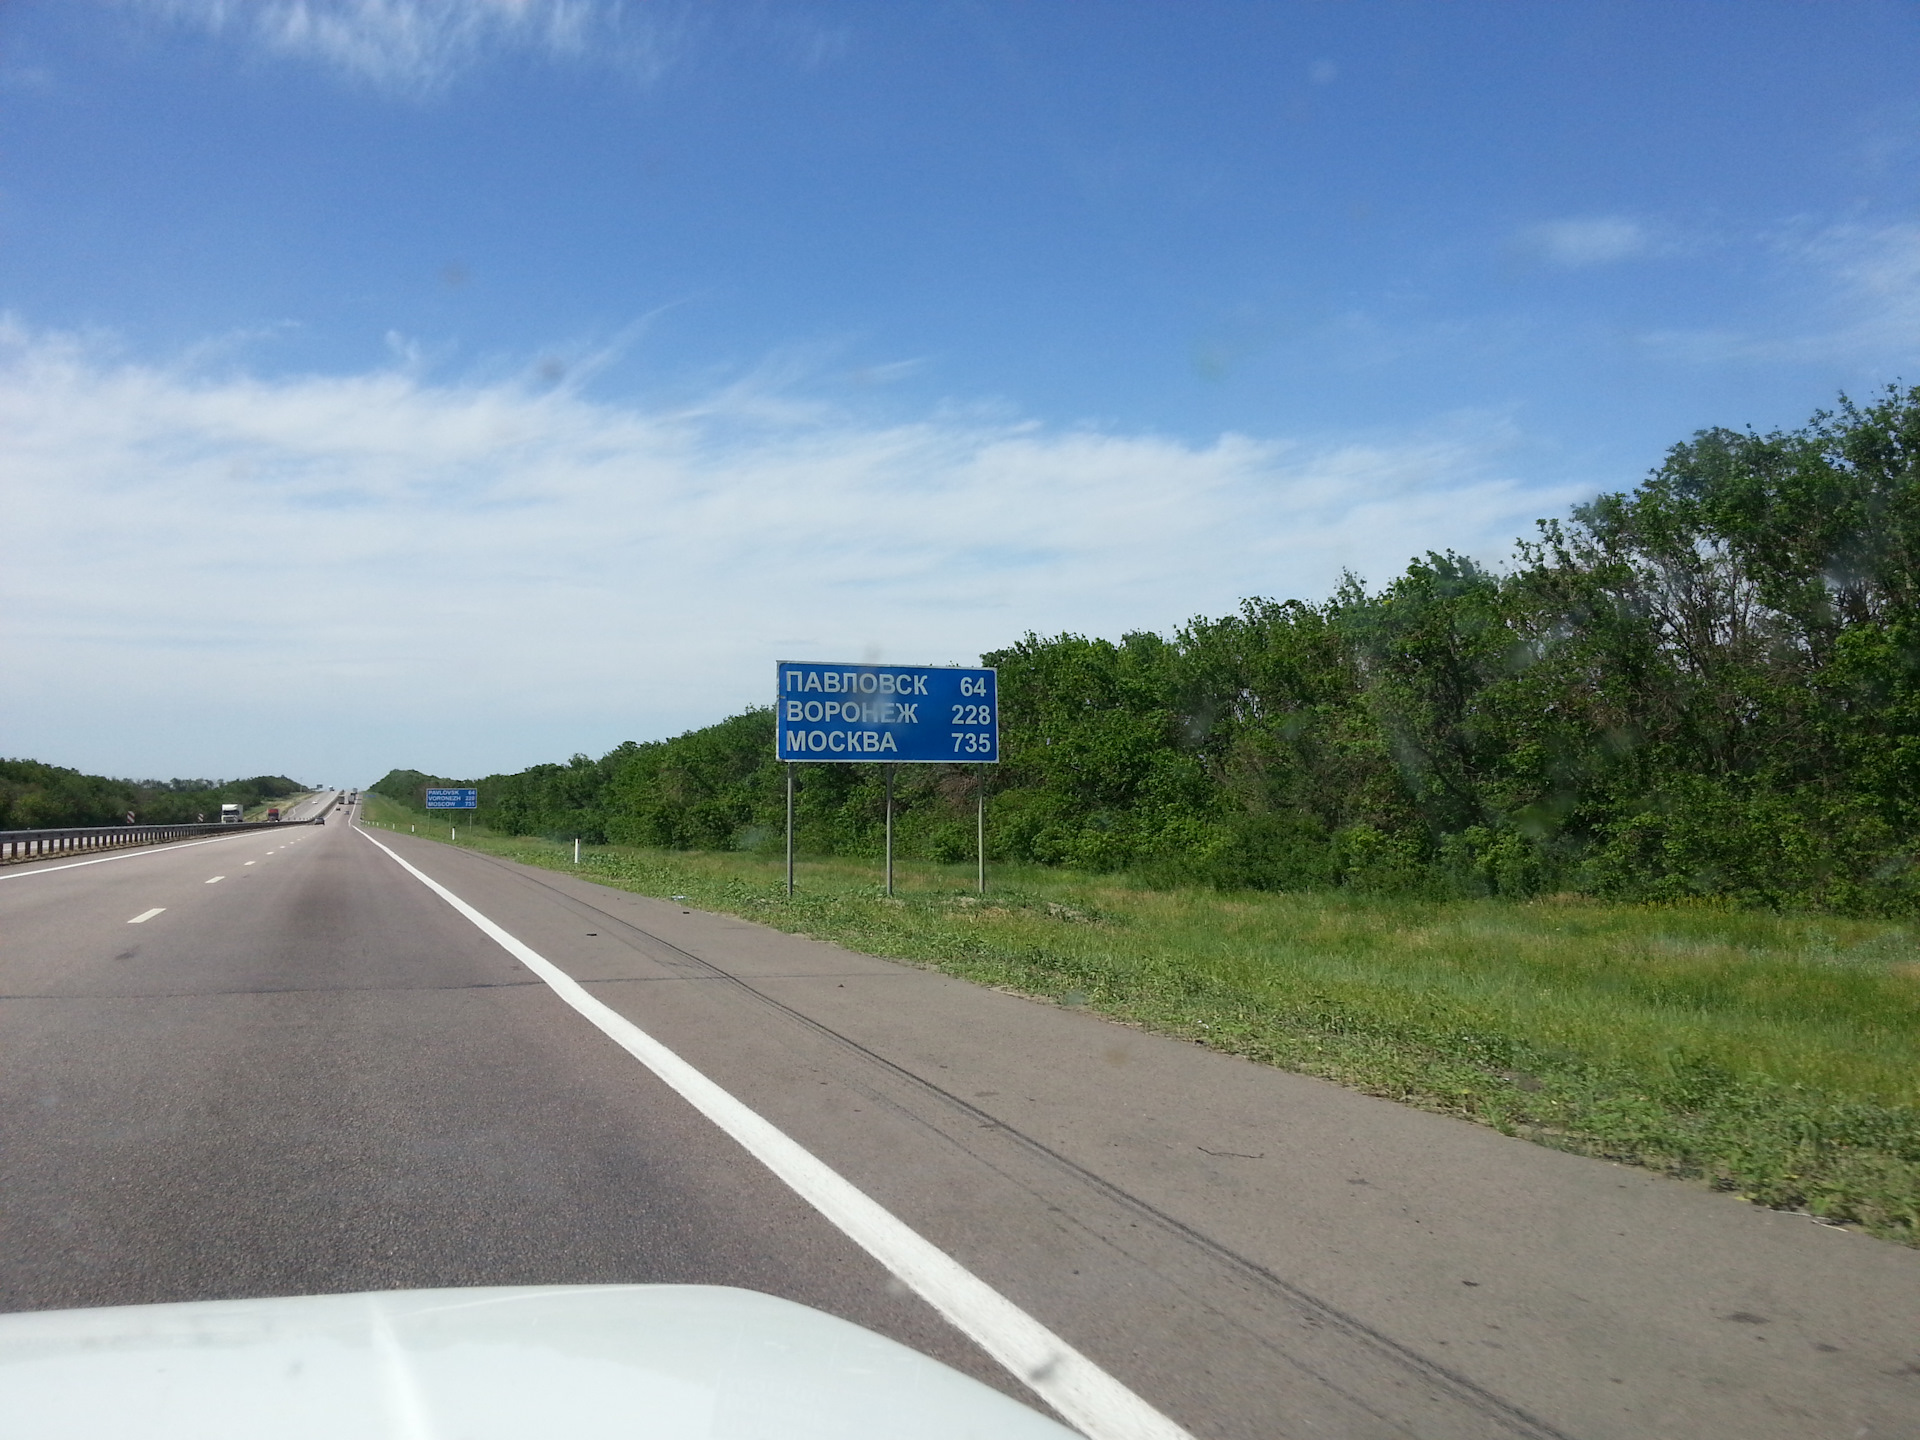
[1706, 687]
[34, 796]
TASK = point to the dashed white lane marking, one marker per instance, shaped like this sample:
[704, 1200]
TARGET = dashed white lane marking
[110, 859]
[248, 862]
[146, 915]
[216, 880]
[1095, 1403]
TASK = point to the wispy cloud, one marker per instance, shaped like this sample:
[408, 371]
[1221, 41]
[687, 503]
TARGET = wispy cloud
[1849, 297]
[578, 571]
[1578, 243]
[420, 46]
[1878, 267]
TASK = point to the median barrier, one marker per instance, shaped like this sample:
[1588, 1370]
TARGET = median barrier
[19, 846]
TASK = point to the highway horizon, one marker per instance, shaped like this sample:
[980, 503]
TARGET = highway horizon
[324, 1059]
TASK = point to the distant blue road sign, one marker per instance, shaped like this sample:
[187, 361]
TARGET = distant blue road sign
[453, 799]
[909, 714]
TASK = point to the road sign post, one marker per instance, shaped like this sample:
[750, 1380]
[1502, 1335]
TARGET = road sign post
[841, 714]
[453, 799]
[889, 831]
[980, 826]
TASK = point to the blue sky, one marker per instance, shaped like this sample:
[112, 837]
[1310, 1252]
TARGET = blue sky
[523, 377]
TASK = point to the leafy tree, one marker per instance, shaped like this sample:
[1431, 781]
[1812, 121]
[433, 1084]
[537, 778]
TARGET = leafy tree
[35, 796]
[1708, 686]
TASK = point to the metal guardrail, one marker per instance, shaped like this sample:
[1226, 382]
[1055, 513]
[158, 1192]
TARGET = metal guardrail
[18, 846]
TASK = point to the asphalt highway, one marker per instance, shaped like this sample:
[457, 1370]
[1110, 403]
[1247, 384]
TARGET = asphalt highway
[279, 1063]
[307, 806]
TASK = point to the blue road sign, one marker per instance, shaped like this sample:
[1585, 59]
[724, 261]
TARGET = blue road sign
[453, 799]
[906, 714]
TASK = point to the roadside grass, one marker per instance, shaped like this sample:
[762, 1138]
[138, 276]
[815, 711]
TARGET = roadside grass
[385, 814]
[1773, 1055]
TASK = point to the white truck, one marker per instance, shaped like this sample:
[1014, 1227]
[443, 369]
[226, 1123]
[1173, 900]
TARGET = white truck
[232, 814]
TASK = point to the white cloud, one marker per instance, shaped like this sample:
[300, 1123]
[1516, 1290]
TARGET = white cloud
[1597, 240]
[421, 45]
[1844, 295]
[1877, 267]
[498, 573]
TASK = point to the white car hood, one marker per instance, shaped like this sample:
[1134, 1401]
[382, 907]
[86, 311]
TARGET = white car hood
[577, 1362]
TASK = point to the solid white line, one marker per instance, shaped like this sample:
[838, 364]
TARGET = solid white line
[108, 859]
[146, 915]
[1092, 1400]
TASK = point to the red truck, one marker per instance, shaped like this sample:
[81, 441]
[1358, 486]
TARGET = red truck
[274, 813]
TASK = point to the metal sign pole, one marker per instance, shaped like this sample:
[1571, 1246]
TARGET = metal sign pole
[831, 713]
[980, 825]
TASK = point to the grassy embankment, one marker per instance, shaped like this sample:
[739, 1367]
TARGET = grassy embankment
[284, 805]
[1773, 1055]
